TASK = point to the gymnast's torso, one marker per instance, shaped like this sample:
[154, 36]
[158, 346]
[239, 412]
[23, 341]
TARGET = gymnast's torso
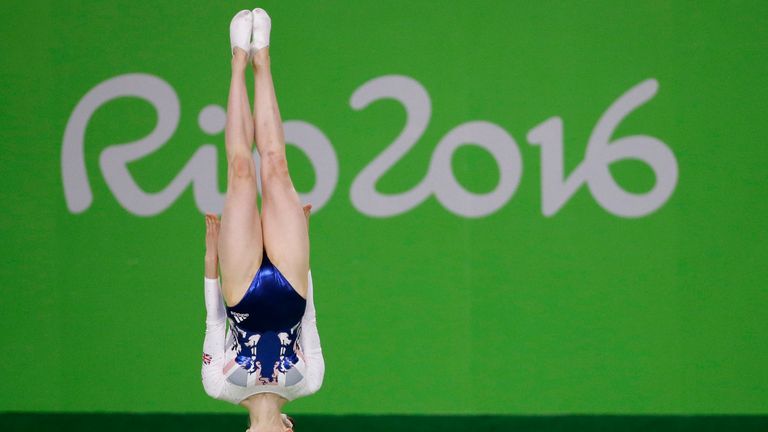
[272, 345]
[264, 329]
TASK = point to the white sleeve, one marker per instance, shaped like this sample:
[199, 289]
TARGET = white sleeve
[213, 345]
[310, 343]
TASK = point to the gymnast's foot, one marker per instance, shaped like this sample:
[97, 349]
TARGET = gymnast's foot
[262, 25]
[240, 36]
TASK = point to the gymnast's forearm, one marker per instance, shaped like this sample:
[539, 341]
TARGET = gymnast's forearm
[215, 317]
[211, 266]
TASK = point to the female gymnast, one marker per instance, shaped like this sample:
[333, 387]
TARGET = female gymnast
[272, 354]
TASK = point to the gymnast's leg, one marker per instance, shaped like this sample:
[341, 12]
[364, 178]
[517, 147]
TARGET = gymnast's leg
[240, 239]
[284, 227]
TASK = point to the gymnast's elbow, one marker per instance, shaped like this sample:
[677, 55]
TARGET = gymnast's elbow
[315, 380]
[213, 383]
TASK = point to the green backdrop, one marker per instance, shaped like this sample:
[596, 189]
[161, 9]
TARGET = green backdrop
[429, 310]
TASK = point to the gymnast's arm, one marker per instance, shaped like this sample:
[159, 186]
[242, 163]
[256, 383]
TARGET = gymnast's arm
[310, 338]
[215, 315]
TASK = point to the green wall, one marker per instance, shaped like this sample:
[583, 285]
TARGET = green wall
[632, 287]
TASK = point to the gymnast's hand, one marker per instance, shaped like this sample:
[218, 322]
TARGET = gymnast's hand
[211, 246]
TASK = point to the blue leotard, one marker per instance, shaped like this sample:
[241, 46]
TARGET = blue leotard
[265, 327]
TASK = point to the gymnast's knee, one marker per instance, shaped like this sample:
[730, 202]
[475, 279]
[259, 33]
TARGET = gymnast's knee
[242, 170]
[274, 165]
[241, 167]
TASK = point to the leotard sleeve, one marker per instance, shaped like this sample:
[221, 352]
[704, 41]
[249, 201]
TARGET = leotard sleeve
[213, 344]
[310, 343]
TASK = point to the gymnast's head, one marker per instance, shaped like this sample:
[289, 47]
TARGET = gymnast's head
[264, 413]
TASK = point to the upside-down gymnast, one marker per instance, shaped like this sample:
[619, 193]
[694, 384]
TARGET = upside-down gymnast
[272, 354]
